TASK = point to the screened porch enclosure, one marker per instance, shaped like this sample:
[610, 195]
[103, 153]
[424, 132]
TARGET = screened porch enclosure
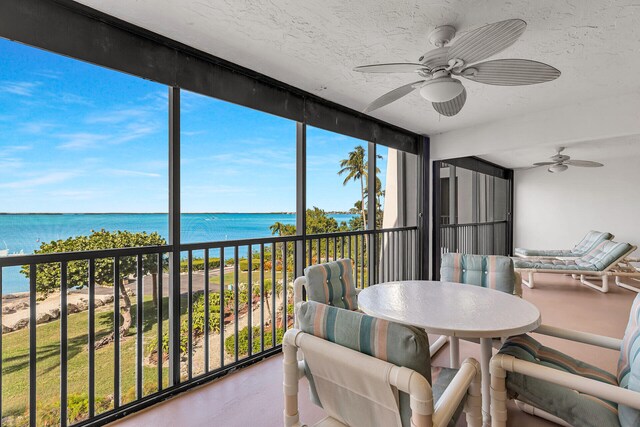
[472, 210]
[160, 319]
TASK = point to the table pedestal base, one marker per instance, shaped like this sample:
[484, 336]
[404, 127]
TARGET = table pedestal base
[486, 352]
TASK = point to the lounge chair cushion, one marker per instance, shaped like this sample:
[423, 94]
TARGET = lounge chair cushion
[332, 283]
[629, 364]
[488, 271]
[575, 408]
[588, 242]
[398, 344]
[598, 259]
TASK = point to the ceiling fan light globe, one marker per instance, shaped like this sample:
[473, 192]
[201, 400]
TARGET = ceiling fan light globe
[442, 89]
[558, 168]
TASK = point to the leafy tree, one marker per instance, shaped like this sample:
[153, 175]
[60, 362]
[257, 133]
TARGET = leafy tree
[48, 275]
[280, 229]
[319, 222]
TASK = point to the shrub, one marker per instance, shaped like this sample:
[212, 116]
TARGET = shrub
[244, 265]
[78, 409]
[243, 340]
[198, 317]
[197, 264]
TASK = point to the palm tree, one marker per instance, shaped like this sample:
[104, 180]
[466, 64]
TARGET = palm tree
[355, 167]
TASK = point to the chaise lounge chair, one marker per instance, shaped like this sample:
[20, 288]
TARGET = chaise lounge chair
[586, 245]
[607, 259]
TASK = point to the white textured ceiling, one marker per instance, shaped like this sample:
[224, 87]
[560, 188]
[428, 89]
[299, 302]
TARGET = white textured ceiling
[314, 45]
[603, 151]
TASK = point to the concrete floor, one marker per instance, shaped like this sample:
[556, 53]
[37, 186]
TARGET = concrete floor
[253, 396]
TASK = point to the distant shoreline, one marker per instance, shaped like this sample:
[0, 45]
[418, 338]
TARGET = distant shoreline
[164, 213]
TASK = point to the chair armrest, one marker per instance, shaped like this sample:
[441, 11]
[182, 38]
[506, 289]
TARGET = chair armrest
[572, 381]
[298, 285]
[582, 337]
[446, 406]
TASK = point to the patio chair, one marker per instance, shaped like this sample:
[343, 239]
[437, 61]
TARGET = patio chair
[589, 241]
[331, 283]
[365, 371]
[607, 259]
[489, 271]
[567, 391]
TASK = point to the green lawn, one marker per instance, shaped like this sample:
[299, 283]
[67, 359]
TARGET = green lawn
[15, 357]
[15, 361]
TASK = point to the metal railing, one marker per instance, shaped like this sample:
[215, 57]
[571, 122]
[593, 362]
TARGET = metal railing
[483, 238]
[235, 303]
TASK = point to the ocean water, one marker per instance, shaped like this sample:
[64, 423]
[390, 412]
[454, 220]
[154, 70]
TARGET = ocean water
[25, 232]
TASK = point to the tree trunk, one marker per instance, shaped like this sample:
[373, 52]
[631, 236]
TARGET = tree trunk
[266, 300]
[362, 208]
[125, 321]
[154, 289]
[126, 309]
[364, 218]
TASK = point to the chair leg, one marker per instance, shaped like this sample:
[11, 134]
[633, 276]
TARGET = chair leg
[454, 352]
[532, 410]
[498, 393]
[529, 283]
[290, 383]
[473, 405]
[437, 345]
[628, 287]
[605, 284]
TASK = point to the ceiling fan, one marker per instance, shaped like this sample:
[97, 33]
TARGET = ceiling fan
[436, 67]
[561, 162]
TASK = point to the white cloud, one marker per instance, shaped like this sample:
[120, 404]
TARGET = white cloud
[46, 179]
[126, 172]
[116, 116]
[19, 88]
[77, 194]
[81, 140]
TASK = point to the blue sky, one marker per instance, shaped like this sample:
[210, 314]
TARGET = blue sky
[75, 137]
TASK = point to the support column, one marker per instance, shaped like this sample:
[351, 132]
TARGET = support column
[301, 196]
[371, 212]
[174, 236]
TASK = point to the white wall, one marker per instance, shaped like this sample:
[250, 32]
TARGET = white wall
[554, 211]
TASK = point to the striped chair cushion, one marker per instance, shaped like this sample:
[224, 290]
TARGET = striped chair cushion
[605, 254]
[588, 242]
[392, 342]
[629, 364]
[575, 408]
[332, 283]
[488, 271]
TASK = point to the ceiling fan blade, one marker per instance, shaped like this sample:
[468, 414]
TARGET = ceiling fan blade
[452, 107]
[394, 67]
[544, 164]
[511, 72]
[487, 41]
[583, 163]
[394, 95]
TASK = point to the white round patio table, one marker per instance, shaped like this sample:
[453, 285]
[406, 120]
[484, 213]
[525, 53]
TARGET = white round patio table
[456, 310]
